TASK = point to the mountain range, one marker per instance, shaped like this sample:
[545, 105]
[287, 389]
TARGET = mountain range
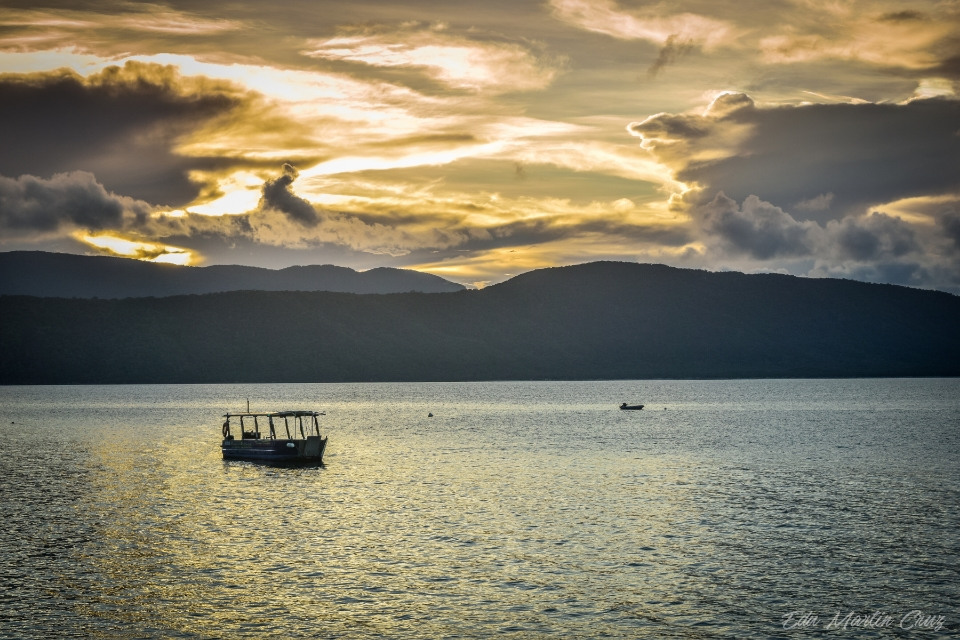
[62, 275]
[599, 320]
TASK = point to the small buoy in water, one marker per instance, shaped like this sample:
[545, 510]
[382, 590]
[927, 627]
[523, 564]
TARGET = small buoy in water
[429, 415]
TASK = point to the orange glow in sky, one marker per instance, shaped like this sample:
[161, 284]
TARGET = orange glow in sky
[149, 251]
[454, 138]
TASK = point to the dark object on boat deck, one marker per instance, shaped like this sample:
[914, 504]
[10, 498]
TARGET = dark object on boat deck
[631, 407]
[303, 442]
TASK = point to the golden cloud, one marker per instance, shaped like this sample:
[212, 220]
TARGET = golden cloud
[650, 23]
[909, 44]
[80, 30]
[877, 33]
[455, 61]
[130, 248]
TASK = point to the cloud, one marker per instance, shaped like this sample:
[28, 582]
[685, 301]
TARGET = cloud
[497, 131]
[863, 154]
[875, 247]
[758, 229]
[650, 23]
[819, 203]
[871, 238]
[427, 225]
[66, 201]
[763, 231]
[682, 141]
[860, 31]
[909, 40]
[902, 16]
[74, 207]
[278, 196]
[673, 49]
[950, 222]
[453, 60]
[107, 31]
[729, 102]
[123, 124]
[286, 219]
[123, 247]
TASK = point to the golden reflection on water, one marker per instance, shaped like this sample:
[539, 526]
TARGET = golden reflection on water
[191, 544]
[515, 510]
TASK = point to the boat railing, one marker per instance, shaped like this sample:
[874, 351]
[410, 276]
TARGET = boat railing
[252, 432]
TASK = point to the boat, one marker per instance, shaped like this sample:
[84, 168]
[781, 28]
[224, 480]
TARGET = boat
[302, 441]
[631, 407]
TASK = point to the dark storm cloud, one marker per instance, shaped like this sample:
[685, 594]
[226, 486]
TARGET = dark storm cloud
[74, 200]
[758, 229]
[278, 196]
[121, 125]
[876, 237]
[950, 221]
[863, 154]
[764, 231]
[950, 67]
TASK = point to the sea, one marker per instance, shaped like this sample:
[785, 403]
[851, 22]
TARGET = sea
[723, 509]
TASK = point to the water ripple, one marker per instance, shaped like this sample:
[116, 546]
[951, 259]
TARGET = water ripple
[518, 509]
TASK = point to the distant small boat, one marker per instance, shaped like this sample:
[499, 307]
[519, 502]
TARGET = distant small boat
[631, 407]
[269, 446]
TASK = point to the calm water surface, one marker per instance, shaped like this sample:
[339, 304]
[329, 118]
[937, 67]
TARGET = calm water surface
[725, 509]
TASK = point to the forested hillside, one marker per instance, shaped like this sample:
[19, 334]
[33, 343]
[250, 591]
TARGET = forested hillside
[594, 321]
[62, 275]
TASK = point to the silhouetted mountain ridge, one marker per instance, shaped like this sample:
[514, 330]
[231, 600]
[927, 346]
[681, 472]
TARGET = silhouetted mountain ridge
[64, 275]
[591, 321]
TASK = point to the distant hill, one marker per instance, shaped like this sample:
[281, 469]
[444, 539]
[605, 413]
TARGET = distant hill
[62, 275]
[592, 321]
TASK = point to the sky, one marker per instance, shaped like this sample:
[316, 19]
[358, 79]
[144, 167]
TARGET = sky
[477, 141]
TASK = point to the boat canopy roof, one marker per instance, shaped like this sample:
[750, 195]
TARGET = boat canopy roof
[272, 414]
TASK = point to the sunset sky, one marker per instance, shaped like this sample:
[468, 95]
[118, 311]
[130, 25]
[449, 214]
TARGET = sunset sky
[481, 140]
